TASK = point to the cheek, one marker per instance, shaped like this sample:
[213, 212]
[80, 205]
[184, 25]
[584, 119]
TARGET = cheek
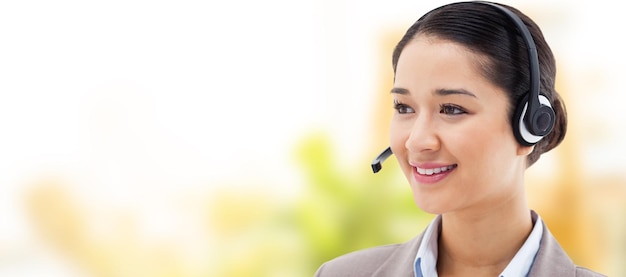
[487, 145]
[485, 131]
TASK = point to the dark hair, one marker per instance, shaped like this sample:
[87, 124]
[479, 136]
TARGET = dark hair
[490, 33]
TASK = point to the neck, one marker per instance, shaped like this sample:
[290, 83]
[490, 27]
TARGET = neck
[482, 241]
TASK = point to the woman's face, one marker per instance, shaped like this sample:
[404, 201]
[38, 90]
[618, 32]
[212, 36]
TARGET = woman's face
[451, 132]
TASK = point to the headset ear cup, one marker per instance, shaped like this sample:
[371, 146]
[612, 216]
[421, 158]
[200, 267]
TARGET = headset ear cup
[521, 131]
[543, 119]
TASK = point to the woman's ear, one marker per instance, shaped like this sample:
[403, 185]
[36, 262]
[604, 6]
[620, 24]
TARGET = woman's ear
[525, 150]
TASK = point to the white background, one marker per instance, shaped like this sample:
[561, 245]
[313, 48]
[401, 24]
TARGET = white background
[131, 103]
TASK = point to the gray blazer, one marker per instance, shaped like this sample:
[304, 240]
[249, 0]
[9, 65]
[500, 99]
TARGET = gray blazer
[397, 261]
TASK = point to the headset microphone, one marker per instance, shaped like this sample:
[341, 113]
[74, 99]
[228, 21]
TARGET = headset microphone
[378, 161]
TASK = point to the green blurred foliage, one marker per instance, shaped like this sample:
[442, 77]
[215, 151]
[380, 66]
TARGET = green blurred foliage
[346, 207]
[342, 208]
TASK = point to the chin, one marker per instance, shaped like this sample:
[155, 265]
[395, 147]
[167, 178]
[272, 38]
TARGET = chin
[428, 205]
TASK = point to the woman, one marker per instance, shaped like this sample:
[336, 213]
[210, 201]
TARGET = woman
[475, 105]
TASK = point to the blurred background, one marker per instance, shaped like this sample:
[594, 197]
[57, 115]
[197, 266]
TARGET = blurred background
[233, 138]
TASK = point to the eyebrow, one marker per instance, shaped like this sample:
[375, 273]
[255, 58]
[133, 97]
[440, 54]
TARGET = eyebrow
[400, 91]
[440, 92]
[444, 92]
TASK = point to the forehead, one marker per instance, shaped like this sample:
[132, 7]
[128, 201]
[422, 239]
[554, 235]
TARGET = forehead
[429, 58]
[429, 65]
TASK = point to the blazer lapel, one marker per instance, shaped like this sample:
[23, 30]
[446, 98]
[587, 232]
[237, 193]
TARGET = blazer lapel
[400, 263]
[551, 259]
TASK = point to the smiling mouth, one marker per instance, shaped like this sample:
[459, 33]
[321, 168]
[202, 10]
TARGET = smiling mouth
[432, 171]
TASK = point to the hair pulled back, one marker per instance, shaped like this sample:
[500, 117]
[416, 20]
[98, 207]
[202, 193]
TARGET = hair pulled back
[486, 31]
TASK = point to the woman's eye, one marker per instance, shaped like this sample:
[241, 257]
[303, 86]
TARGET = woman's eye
[402, 108]
[450, 109]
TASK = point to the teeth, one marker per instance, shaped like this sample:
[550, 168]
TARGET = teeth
[432, 171]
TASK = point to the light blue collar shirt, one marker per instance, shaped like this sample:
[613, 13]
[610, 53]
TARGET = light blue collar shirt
[426, 259]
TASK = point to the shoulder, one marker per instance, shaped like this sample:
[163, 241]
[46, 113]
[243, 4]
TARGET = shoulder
[584, 272]
[358, 263]
[551, 260]
[380, 260]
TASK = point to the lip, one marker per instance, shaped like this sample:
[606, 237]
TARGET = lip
[434, 177]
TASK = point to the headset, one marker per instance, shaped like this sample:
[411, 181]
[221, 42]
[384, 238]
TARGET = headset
[534, 117]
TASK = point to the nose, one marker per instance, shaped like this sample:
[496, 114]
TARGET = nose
[423, 136]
